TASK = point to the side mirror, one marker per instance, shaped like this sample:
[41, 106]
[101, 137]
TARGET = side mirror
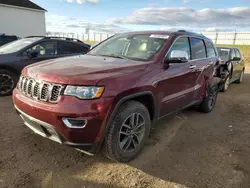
[177, 56]
[175, 60]
[32, 54]
[236, 59]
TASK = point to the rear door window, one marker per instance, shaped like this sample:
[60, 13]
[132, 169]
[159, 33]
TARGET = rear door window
[71, 48]
[198, 50]
[210, 49]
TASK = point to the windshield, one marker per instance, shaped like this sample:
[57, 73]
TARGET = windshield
[17, 45]
[224, 53]
[131, 46]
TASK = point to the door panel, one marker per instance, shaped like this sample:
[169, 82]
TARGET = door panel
[178, 86]
[25, 61]
[238, 65]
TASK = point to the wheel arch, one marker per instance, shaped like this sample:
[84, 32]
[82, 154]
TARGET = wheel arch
[145, 97]
[141, 97]
[5, 67]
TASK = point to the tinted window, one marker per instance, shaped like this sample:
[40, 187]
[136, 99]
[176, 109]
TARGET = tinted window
[7, 39]
[71, 48]
[237, 53]
[197, 48]
[45, 48]
[210, 49]
[180, 45]
[232, 55]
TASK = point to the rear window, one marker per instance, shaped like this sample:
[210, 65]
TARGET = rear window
[198, 50]
[224, 53]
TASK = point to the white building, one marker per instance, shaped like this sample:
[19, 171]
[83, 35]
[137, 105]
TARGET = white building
[22, 18]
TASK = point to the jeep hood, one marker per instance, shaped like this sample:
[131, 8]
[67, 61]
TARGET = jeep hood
[83, 69]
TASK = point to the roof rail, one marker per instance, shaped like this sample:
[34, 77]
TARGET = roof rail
[35, 36]
[52, 37]
[182, 30]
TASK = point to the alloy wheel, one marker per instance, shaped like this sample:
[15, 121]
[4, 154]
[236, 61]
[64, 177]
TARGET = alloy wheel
[132, 132]
[212, 99]
[6, 83]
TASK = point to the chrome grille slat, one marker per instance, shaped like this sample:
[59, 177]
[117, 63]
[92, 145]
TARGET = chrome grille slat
[40, 90]
[36, 90]
[22, 82]
[55, 92]
[29, 87]
[25, 85]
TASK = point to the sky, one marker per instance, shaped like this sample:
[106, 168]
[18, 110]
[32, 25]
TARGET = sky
[114, 16]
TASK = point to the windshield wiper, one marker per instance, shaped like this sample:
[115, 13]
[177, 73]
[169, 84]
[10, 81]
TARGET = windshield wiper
[113, 55]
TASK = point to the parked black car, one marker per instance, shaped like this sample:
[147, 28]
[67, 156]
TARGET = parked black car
[18, 54]
[4, 39]
[233, 65]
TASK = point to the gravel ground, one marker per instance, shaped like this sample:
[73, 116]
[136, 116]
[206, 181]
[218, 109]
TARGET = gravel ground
[189, 149]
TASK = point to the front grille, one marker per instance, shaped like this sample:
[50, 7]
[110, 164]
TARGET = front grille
[39, 90]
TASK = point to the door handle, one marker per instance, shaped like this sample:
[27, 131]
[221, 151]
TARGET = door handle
[192, 66]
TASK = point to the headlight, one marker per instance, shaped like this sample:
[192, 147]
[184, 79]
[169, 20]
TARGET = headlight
[84, 92]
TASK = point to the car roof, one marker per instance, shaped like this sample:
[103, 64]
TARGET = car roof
[226, 47]
[176, 33]
[72, 40]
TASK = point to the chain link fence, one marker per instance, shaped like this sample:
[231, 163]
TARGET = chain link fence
[239, 40]
[91, 38]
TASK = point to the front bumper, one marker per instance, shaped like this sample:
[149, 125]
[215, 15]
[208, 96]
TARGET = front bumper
[46, 119]
[48, 131]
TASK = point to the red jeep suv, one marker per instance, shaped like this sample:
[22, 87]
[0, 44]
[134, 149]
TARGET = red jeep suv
[110, 97]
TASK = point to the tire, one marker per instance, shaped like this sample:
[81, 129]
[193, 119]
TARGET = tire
[8, 81]
[119, 132]
[240, 80]
[209, 101]
[226, 84]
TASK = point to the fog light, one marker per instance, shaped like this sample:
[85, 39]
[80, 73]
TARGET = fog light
[75, 123]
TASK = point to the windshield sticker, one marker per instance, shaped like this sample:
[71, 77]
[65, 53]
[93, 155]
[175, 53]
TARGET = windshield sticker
[159, 36]
[227, 50]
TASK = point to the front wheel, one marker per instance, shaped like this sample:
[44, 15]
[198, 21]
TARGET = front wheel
[8, 82]
[209, 101]
[128, 132]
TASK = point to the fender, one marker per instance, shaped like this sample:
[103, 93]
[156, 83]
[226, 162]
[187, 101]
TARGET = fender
[114, 110]
[215, 83]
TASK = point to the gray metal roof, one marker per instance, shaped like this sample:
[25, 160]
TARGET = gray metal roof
[22, 3]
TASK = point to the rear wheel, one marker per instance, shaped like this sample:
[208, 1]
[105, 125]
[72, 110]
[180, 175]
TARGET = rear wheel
[209, 101]
[128, 132]
[240, 80]
[8, 81]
